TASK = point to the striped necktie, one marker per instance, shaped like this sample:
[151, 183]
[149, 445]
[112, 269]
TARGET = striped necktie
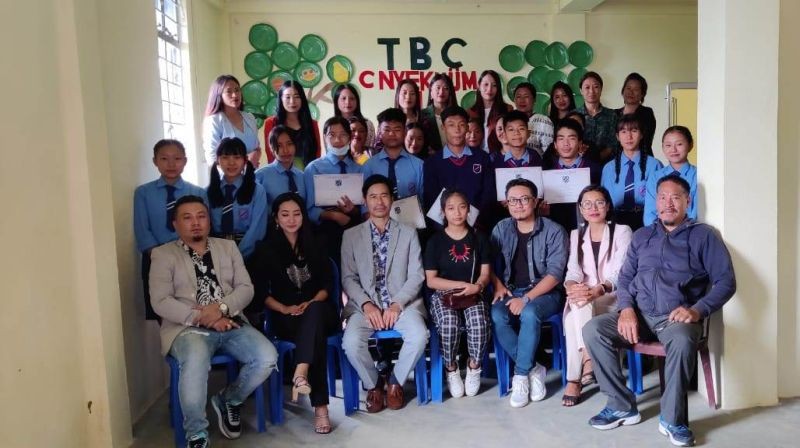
[629, 202]
[170, 207]
[227, 210]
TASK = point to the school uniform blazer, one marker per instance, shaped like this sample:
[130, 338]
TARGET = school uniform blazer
[173, 285]
[607, 268]
[404, 275]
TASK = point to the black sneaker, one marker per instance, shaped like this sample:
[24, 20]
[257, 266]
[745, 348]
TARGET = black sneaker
[228, 419]
[198, 442]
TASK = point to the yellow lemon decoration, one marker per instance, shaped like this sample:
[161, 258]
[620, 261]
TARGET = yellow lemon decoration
[339, 69]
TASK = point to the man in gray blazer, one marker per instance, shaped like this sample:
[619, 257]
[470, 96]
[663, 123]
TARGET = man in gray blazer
[382, 276]
[199, 287]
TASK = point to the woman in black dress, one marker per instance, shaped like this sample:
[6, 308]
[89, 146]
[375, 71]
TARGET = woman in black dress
[296, 281]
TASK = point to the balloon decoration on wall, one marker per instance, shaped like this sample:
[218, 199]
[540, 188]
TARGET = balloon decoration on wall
[272, 62]
[549, 63]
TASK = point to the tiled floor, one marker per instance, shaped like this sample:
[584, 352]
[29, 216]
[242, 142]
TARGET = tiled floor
[488, 421]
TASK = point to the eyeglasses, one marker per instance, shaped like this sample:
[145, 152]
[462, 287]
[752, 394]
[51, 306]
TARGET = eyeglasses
[524, 200]
[587, 204]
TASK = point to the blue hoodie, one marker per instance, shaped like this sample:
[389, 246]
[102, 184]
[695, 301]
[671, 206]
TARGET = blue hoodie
[689, 266]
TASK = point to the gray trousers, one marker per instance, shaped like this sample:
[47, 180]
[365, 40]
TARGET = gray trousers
[410, 325]
[680, 342]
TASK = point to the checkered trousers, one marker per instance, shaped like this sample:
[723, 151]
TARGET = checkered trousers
[449, 322]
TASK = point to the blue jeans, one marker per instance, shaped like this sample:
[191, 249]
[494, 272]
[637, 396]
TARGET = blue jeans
[194, 347]
[522, 347]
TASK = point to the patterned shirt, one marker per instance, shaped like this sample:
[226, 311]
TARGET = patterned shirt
[601, 129]
[208, 289]
[380, 255]
[541, 133]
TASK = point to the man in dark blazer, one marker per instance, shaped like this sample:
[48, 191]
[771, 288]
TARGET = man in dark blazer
[382, 277]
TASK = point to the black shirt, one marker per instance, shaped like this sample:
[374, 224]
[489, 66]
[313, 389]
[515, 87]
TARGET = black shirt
[596, 250]
[453, 259]
[519, 264]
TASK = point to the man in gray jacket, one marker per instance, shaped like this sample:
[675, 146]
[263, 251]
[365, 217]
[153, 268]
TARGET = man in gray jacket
[532, 255]
[382, 276]
[199, 287]
[677, 272]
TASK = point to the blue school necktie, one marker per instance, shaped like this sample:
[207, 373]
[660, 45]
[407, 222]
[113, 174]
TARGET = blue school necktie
[292, 183]
[675, 173]
[393, 176]
[342, 167]
[629, 202]
[227, 210]
[170, 207]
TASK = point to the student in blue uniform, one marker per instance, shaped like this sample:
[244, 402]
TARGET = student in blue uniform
[238, 203]
[153, 206]
[625, 177]
[403, 169]
[281, 176]
[568, 146]
[460, 168]
[676, 144]
[333, 221]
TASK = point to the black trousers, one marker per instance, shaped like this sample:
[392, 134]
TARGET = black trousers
[149, 313]
[309, 332]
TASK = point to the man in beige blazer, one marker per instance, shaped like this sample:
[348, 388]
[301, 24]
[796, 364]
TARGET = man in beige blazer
[382, 276]
[199, 286]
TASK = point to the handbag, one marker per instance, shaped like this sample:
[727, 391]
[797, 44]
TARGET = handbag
[454, 302]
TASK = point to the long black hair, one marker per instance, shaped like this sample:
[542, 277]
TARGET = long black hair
[306, 141]
[447, 194]
[214, 102]
[609, 220]
[451, 99]
[560, 85]
[304, 247]
[231, 147]
[337, 92]
[629, 121]
[417, 109]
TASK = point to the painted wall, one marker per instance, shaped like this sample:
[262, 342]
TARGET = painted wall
[658, 42]
[64, 361]
[789, 203]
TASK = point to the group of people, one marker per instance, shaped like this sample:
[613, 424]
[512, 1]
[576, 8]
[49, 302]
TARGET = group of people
[626, 261]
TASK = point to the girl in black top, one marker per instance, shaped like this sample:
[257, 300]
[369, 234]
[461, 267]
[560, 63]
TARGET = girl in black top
[295, 280]
[458, 258]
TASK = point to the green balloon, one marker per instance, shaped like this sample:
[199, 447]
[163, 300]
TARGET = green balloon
[556, 55]
[255, 93]
[534, 53]
[263, 37]
[313, 48]
[285, 56]
[512, 58]
[468, 100]
[257, 64]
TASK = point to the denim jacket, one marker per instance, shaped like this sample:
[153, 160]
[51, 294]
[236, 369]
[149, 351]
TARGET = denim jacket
[548, 243]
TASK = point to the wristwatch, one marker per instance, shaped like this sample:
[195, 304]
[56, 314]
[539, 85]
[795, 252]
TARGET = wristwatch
[223, 308]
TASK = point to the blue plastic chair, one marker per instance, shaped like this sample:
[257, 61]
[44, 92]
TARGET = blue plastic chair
[175, 412]
[286, 348]
[350, 377]
[503, 360]
[437, 366]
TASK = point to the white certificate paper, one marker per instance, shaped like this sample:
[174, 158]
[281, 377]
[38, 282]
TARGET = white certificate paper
[436, 214]
[564, 186]
[503, 176]
[329, 188]
[408, 211]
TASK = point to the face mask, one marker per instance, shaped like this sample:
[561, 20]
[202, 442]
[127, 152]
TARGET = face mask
[339, 152]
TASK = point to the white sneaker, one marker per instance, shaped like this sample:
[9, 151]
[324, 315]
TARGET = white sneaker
[520, 388]
[454, 384]
[536, 377]
[473, 381]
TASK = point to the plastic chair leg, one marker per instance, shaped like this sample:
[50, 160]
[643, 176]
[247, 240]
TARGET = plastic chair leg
[260, 411]
[421, 380]
[503, 368]
[705, 359]
[331, 367]
[437, 368]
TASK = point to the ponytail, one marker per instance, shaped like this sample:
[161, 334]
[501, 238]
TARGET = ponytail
[245, 193]
[215, 198]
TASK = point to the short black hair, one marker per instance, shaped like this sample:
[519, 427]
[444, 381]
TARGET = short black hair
[454, 111]
[521, 182]
[674, 178]
[571, 124]
[164, 142]
[515, 115]
[374, 180]
[333, 121]
[392, 114]
[189, 199]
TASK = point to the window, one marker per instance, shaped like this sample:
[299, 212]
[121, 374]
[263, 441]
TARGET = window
[170, 66]
[173, 68]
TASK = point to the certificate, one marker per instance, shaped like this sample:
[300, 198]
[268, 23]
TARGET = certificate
[408, 211]
[503, 175]
[436, 213]
[329, 188]
[564, 186]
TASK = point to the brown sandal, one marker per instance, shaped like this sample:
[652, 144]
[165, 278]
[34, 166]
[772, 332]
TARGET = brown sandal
[571, 400]
[300, 386]
[321, 427]
[587, 378]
